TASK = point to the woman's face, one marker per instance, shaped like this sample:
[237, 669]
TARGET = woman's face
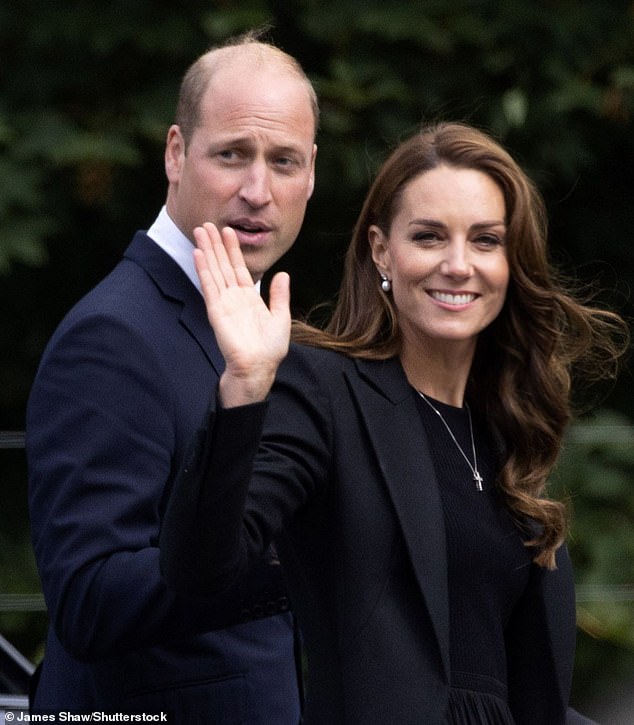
[445, 255]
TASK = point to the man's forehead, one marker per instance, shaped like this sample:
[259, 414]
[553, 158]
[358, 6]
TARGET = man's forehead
[263, 87]
[268, 114]
[252, 90]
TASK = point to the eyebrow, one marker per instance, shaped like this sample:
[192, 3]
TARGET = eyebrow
[478, 225]
[247, 142]
[489, 224]
[244, 143]
[425, 222]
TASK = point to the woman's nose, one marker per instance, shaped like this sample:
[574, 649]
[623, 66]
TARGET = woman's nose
[457, 261]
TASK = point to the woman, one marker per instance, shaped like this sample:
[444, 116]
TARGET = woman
[404, 451]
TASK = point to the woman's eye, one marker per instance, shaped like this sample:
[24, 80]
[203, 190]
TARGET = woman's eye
[426, 237]
[489, 240]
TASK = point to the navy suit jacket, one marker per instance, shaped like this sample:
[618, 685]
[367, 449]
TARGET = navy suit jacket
[337, 467]
[122, 386]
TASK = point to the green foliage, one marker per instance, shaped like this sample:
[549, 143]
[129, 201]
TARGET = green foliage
[595, 473]
[87, 94]
[555, 80]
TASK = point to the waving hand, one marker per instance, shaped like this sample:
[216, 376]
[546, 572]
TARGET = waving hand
[252, 337]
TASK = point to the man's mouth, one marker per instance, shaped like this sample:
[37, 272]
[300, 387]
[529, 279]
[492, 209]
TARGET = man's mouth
[250, 232]
[250, 226]
[248, 229]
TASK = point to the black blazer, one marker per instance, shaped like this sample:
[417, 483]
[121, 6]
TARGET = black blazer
[122, 387]
[343, 479]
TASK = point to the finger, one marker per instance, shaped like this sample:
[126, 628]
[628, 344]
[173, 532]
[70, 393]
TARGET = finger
[236, 257]
[280, 296]
[202, 237]
[207, 264]
[224, 265]
[207, 284]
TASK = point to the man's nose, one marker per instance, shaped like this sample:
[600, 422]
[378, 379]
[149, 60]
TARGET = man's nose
[256, 186]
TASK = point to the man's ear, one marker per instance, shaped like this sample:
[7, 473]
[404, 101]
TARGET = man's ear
[174, 153]
[311, 182]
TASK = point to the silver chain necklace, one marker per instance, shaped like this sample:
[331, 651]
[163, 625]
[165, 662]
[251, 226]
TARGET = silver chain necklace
[474, 468]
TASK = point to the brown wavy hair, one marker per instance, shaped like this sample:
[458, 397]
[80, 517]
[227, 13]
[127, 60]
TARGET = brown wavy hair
[524, 363]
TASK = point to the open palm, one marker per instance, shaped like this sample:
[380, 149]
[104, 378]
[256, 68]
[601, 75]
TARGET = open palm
[252, 337]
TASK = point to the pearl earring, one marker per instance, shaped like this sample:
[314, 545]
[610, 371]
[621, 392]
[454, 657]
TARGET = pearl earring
[386, 285]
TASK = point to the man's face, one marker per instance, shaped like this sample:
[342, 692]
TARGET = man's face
[250, 163]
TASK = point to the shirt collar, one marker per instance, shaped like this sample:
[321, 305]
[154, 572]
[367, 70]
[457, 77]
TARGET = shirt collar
[172, 241]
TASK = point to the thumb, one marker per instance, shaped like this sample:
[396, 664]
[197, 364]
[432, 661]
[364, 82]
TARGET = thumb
[280, 295]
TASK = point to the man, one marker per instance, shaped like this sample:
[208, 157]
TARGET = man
[122, 387]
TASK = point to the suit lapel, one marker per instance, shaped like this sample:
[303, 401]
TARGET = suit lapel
[194, 319]
[397, 434]
[174, 284]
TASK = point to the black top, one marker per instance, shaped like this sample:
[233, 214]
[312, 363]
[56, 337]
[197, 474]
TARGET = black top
[488, 566]
[335, 467]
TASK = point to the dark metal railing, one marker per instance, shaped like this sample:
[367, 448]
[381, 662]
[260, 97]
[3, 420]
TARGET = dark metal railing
[11, 439]
[15, 668]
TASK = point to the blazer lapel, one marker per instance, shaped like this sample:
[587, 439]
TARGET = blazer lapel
[194, 319]
[393, 423]
[174, 284]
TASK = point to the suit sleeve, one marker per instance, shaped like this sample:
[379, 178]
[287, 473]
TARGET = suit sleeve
[100, 445]
[250, 471]
[540, 640]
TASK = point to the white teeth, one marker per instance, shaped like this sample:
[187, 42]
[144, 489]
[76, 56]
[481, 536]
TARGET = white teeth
[449, 299]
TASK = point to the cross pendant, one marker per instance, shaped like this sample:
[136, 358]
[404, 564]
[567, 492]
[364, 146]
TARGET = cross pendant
[478, 479]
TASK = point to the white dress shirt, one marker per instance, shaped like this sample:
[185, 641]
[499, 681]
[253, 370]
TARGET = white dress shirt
[173, 242]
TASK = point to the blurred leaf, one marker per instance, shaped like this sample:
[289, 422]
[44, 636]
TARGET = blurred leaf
[596, 470]
[88, 91]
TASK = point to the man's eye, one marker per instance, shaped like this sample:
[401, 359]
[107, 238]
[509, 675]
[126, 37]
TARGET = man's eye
[285, 162]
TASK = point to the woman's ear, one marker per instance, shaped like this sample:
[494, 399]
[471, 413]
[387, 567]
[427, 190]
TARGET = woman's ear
[380, 252]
